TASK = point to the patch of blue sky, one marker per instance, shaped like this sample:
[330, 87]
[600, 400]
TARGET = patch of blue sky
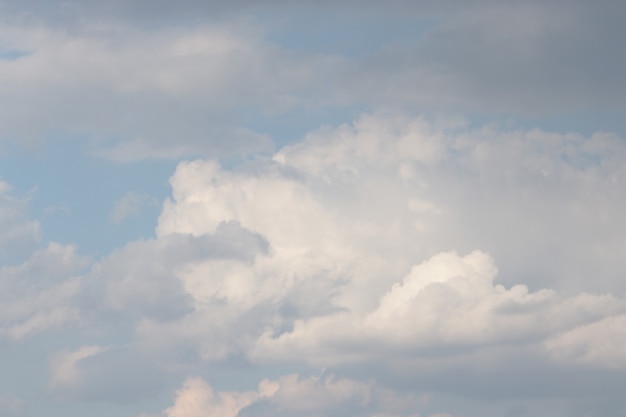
[72, 193]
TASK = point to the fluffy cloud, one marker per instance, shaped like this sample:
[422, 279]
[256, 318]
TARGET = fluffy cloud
[359, 221]
[292, 395]
[447, 302]
[369, 248]
[145, 276]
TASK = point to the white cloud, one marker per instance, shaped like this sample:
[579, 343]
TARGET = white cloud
[360, 221]
[337, 251]
[197, 398]
[291, 395]
[598, 344]
[445, 302]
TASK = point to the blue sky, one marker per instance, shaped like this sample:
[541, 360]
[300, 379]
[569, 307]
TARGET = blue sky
[301, 209]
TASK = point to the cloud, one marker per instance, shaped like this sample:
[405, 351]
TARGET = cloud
[595, 344]
[360, 220]
[179, 86]
[105, 374]
[64, 364]
[445, 303]
[145, 275]
[40, 294]
[290, 395]
[178, 91]
[127, 206]
[396, 251]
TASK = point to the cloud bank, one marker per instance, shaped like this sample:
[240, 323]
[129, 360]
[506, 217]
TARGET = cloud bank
[394, 250]
[423, 266]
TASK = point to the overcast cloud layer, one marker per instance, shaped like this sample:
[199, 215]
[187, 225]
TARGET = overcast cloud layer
[366, 214]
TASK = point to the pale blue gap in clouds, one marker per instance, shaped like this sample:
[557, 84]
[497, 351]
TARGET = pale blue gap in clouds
[73, 193]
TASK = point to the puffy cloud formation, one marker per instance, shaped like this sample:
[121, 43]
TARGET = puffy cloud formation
[395, 251]
[359, 221]
[479, 268]
[351, 213]
[293, 395]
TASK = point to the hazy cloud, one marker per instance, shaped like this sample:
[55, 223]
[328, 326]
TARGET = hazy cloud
[185, 91]
[127, 206]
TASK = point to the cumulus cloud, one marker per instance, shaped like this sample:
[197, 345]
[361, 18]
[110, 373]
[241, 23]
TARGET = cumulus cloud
[395, 248]
[447, 302]
[360, 220]
[292, 395]
[144, 276]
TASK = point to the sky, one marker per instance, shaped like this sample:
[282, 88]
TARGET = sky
[312, 209]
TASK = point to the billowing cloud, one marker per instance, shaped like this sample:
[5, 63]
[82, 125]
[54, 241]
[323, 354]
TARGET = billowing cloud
[394, 266]
[395, 252]
[293, 395]
[360, 221]
[447, 302]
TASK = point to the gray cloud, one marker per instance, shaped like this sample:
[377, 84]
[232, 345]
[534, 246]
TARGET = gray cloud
[172, 91]
[142, 278]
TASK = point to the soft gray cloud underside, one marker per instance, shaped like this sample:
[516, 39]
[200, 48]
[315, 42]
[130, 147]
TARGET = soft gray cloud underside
[174, 91]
